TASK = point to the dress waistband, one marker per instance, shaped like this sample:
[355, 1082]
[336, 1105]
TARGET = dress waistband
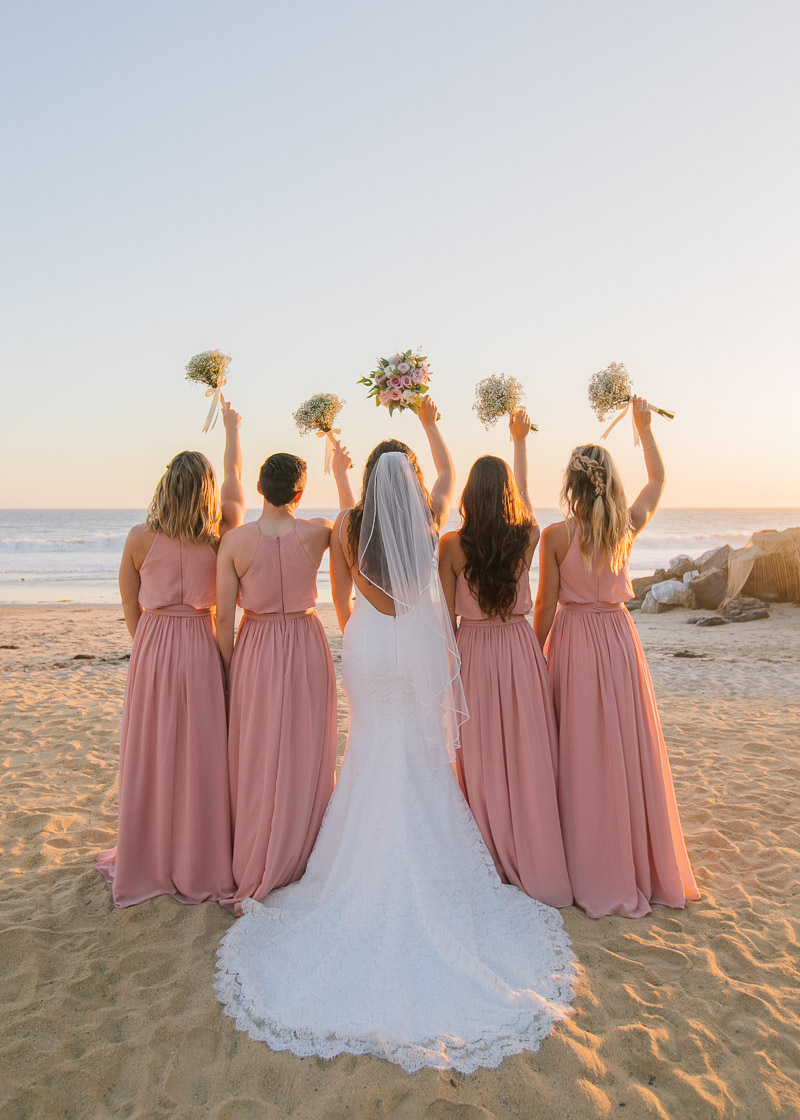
[277, 616]
[592, 608]
[181, 610]
[496, 621]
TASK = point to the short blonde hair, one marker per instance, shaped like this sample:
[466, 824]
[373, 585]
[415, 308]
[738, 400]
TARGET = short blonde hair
[594, 497]
[186, 503]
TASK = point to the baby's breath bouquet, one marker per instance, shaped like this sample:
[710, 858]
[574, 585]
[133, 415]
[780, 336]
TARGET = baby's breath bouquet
[611, 389]
[210, 369]
[400, 381]
[498, 396]
[318, 414]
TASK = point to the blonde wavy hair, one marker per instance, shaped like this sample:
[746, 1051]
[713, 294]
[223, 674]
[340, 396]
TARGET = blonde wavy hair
[594, 498]
[186, 503]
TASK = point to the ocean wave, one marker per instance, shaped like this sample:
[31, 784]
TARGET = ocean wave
[98, 542]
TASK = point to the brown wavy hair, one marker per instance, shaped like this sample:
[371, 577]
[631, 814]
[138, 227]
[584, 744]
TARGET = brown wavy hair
[357, 512]
[495, 535]
[594, 498]
[186, 503]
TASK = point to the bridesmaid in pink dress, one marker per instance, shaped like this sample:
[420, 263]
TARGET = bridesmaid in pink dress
[507, 762]
[622, 834]
[174, 814]
[282, 690]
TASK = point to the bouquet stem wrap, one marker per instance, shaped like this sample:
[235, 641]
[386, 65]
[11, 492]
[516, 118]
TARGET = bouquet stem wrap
[217, 399]
[613, 424]
[329, 445]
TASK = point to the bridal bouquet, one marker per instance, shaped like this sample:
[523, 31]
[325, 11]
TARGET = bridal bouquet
[399, 382]
[612, 388]
[318, 414]
[211, 369]
[498, 396]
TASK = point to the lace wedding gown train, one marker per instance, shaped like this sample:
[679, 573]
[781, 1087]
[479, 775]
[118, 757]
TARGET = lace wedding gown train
[400, 940]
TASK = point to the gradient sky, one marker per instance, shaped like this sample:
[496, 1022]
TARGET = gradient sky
[520, 187]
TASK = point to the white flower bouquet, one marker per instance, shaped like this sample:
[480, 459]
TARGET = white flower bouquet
[498, 396]
[210, 368]
[400, 381]
[612, 389]
[318, 414]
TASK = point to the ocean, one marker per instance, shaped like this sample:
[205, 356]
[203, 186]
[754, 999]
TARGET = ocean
[73, 555]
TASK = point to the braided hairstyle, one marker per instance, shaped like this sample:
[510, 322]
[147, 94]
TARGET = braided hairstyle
[594, 498]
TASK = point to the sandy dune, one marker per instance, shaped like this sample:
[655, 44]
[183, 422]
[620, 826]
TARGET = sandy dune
[689, 1014]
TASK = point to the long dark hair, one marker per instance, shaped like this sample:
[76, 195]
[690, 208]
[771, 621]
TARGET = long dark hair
[495, 535]
[357, 512]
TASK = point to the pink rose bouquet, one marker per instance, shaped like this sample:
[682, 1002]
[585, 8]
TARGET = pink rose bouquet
[400, 381]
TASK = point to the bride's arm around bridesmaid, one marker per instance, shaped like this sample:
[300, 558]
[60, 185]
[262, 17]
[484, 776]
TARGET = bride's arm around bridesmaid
[174, 813]
[622, 834]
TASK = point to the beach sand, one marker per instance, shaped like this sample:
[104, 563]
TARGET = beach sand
[691, 1014]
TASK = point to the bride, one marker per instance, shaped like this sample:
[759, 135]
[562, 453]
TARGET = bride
[400, 940]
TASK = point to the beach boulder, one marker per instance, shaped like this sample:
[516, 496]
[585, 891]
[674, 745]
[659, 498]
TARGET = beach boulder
[678, 567]
[651, 605]
[715, 558]
[642, 584]
[672, 592]
[745, 609]
[708, 590]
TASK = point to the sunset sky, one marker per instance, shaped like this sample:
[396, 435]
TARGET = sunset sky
[520, 187]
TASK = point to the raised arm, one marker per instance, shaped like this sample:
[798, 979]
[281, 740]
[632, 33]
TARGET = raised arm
[341, 472]
[227, 590]
[232, 493]
[519, 425]
[649, 496]
[444, 488]
[341, 574]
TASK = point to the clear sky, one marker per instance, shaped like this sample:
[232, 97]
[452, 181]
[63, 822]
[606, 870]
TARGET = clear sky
[534, 188]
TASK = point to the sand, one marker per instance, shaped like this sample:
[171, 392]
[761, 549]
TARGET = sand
[693, 1013]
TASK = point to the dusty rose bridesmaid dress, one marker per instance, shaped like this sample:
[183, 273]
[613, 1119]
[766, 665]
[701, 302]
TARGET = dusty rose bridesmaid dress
[622, 833]
[507, 762]
[282, 721]
[174, 833]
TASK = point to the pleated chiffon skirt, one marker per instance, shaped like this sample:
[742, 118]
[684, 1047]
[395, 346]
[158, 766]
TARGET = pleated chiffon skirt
[507, 762]
[281, 749]
[619, 817]
[174, 810]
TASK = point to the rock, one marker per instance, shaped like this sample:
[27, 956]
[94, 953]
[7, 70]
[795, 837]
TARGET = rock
[634, 605]
[642, 584]
[750, 616]
[714, 558]
[673, 592]
[745, 609]
[688, 653]
[714, 620]
[708, 590]
[651, 605]
[679, 565]
[689, 576]
[660, 574]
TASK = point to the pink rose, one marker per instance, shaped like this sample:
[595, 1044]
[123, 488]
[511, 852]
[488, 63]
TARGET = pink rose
[394, 382]
[404, 367]
[405, 381]
[395, 395]
[385, 396]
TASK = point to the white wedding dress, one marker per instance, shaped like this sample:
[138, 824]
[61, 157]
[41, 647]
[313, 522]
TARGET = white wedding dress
[400, 940]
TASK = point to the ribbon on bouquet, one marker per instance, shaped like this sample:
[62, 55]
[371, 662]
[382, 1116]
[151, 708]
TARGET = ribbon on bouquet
[216, 394]
[328, 436]
[613, 425]
[653, 408]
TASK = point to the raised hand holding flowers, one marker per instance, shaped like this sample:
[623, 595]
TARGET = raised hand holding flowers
[210, 368]
[498, 396]
[318, 414]
[612, 388]
[400, 381]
